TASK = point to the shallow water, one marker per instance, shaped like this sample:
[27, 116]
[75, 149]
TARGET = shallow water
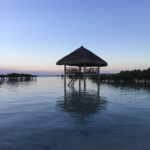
[38, 115]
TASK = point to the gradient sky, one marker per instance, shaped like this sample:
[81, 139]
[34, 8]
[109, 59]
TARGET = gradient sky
[34, 34]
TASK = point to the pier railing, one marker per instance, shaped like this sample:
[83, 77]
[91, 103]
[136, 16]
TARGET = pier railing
[90, 70]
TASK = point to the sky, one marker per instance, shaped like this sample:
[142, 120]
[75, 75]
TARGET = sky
[35, 34]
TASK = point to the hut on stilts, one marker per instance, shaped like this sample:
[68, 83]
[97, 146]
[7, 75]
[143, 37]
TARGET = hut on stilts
[81, 62]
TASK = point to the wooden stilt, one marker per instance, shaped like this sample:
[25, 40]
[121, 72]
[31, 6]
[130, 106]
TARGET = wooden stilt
[79, 80]
[65, 78]
[84, 78]
[98, 76]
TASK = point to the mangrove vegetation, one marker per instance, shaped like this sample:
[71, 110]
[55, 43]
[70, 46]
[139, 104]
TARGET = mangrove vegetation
[139, 76]
[17, 77]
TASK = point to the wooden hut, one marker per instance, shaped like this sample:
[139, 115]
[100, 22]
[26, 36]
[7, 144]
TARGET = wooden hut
[81, 62]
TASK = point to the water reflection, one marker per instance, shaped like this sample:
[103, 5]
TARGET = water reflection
[130, 86]
[81, 102]
[1, 82]
[16, 83]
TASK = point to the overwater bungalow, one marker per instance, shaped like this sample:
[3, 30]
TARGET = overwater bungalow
[81, 62]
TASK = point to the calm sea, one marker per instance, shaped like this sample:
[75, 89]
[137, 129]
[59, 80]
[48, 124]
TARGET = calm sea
[39, 115]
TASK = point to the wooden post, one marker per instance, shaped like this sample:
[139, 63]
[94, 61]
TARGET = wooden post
[79, 70]
[98, 76]
[98, 71]
[79, 80]
[84, 77]
[65, 78]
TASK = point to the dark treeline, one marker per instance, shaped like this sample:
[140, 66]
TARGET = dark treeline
[17, 76]
[127, 76]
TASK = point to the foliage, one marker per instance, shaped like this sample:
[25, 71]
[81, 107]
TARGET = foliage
[126, 76]
[16, 76]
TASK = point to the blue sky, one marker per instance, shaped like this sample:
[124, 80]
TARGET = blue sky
[34, 34]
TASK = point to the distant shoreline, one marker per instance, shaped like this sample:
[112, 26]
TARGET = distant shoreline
[18, 77]
[140, 76]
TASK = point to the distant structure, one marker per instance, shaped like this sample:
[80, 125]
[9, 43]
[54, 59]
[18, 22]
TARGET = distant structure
[17, 77]
[82, 63]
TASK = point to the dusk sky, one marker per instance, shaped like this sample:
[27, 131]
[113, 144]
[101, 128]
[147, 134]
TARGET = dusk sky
[35, 34]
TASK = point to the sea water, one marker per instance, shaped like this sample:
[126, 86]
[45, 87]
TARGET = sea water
[43, 115]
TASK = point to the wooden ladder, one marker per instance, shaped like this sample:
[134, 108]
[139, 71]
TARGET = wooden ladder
[72, 81]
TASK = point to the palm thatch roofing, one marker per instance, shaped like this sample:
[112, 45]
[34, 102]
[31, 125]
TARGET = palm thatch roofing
[82, 57]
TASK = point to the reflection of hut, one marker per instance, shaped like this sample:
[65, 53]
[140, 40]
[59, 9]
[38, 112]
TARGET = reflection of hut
[82, 62]
[82, 103]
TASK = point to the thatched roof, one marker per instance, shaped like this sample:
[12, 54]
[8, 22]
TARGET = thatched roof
[81, 57]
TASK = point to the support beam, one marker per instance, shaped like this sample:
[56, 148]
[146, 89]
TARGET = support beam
[98, 79]
[84, 77]
[79, 70]
[98, 73]
[64, 69]
[65, 78]
[79, 80]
